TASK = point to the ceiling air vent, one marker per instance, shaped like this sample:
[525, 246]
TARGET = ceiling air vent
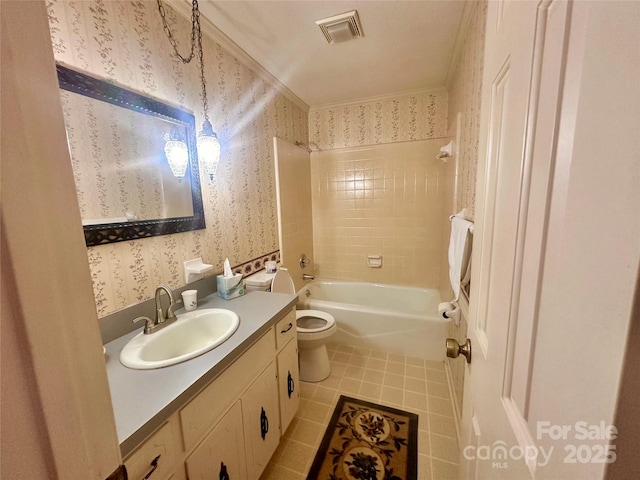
[341, 28]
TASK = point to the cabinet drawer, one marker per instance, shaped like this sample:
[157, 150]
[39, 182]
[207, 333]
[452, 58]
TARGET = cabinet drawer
[202, 412]
[160, 444]
[286, 329]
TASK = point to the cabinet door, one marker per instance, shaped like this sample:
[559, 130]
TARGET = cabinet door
[288, 382]
[221, 455]
[261, 418]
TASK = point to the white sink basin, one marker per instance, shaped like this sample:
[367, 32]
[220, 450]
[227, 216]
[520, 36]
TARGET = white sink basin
[193, 334]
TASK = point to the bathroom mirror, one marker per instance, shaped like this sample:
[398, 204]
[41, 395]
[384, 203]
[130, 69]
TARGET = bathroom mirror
[126, 189]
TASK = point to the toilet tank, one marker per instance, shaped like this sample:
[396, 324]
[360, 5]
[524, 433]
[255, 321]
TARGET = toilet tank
[259, 281]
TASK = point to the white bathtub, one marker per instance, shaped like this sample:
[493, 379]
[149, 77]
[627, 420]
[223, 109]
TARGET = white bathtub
[401, 320]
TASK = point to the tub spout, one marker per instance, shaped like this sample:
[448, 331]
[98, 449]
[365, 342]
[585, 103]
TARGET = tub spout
[307, 277]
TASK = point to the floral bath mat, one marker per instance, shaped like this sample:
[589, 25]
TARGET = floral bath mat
[367, 441]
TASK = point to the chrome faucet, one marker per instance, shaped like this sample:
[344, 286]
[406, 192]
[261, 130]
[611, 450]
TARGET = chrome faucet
[307, 277]
[161, 320]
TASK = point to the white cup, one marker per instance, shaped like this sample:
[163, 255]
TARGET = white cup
[270, 266]
[190, 299]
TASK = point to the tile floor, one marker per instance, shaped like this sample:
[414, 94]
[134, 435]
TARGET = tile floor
[411, 384]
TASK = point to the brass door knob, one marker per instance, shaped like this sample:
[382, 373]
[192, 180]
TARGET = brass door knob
[454, 349]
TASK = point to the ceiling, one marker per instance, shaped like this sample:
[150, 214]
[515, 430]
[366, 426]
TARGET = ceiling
[407, 45]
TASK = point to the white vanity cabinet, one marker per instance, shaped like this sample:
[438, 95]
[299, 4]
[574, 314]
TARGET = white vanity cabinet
[203, 411]
[232, 427]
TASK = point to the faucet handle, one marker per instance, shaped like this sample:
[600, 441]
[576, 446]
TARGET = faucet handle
[148, 323]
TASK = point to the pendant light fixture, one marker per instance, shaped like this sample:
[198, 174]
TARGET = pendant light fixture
[208, 145]
[177, 154]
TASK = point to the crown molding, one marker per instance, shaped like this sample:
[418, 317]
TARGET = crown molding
[183, 8]
[378, 98]
[463, 29]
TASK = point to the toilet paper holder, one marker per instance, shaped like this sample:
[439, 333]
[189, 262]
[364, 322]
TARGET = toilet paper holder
[450, 310]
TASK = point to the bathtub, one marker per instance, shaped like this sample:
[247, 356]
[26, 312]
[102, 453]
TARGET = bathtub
[396, 319]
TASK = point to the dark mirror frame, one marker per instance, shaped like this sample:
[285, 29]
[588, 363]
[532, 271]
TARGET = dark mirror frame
[86, 85]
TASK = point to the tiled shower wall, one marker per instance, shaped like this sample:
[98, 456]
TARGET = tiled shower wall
[379, 200]
[377, 188]
[124, 42]
[464, 98]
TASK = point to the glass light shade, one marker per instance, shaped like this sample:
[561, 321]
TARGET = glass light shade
[177, 157]
[208, 149]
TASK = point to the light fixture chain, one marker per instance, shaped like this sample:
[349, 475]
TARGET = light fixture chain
[196, 36]
[208, 144]
[205, 102]
[195, 30]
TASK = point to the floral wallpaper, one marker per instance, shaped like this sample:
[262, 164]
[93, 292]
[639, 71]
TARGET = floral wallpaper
[465, 97]
[124, 42]
[117, 174]
[401, 118]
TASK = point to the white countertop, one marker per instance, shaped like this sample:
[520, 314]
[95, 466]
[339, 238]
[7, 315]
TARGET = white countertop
[143, 399]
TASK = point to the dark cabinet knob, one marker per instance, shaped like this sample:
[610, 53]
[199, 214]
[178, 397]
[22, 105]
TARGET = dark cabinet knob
[264, 423]
[223, 472]
[289, 384]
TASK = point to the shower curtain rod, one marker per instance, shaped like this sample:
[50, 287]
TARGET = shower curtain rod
[304, 145]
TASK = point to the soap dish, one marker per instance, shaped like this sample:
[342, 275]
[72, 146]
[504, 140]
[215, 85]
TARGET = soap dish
[195, 270]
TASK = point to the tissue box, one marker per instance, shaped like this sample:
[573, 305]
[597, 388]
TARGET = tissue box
[231, 287]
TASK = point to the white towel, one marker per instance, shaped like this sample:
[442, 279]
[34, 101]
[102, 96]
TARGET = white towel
[457, 246]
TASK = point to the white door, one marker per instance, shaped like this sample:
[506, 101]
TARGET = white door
[529, 403]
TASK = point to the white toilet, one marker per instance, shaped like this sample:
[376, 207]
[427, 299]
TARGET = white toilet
[314, 329]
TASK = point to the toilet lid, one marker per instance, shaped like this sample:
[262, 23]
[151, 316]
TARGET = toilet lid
[309, 321]
[282, 282]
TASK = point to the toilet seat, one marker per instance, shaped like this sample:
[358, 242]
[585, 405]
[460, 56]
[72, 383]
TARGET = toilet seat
[313, 334]
[320, 321]
[282, 282]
